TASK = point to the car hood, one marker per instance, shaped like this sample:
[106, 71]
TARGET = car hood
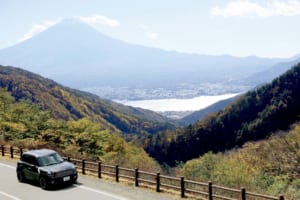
[59, 167]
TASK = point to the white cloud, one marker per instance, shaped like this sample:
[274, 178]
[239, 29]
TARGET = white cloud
[93, 20]
[100, 19]
[143, 26]
[247, 8]
[148, 33]
[152, 35]
[37, 28]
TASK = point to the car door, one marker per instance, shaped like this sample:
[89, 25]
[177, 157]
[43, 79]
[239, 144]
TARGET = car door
[30, 167]
[26, 166]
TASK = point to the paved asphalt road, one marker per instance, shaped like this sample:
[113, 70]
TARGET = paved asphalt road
[87, 188]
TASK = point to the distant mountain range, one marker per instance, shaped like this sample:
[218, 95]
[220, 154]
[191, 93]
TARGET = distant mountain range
[272, 72]
[76, 55]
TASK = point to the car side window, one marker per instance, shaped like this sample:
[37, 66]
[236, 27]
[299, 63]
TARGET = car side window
[33, 160]
[29, 159]
[25, 158]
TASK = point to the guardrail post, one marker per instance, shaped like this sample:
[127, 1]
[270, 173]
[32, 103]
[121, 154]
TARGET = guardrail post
[210, 191]
[99, 169]
[243, 193]
[281, 197]
[182, 186]
[11, 152]
[136, 177]
[117, 173]
[21, 152]
[3, 150]
[158, 182]
[83, 166]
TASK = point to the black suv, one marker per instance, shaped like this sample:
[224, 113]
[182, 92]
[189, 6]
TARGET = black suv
[46, 167]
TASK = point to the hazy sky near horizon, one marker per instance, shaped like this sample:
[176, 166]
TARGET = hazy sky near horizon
[266, 28]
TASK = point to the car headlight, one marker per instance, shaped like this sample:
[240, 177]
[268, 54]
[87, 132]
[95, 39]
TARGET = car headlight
[50, 173]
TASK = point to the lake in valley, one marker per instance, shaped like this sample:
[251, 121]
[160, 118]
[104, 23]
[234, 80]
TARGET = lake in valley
[162, 105]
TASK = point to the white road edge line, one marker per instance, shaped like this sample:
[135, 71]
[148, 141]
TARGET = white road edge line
[79, 186]
[4, 193]
[100, 192]
[8, 166]
[9, 196]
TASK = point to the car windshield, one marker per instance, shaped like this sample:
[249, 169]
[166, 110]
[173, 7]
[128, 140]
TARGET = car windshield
[51, 159]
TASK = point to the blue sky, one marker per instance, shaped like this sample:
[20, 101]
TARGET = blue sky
[266, 28]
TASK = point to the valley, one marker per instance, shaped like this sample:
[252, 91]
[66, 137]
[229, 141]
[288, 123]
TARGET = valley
[206, 90]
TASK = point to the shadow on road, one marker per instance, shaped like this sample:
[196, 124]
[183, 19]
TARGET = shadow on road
[59, 187]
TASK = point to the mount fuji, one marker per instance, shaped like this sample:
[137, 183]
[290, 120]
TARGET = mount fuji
[77, 55]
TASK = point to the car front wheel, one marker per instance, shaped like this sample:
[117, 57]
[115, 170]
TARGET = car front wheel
[43, 183]
[75, 180]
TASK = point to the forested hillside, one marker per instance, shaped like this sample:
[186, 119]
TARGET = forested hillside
[25, 124]
[69, 104]
[253, 116]
[200, 114]
[269, 166]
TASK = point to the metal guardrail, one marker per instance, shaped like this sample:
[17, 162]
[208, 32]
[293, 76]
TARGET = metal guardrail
[186, 188]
